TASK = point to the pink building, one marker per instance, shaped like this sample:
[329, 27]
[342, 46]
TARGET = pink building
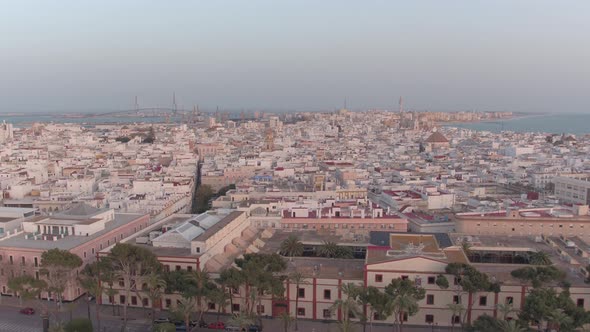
[82, 230]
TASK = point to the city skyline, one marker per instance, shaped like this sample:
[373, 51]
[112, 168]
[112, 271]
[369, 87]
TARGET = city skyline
[303, 56]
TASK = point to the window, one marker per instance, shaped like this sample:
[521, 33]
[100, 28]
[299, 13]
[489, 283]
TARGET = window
[405, 277]
[11, 260]
[378, 278]
[457, 319]
[198, 250]
[456, 299]
[260, 308]
[85, 254]
[211, 306]
[36, 261]
[178, 268]
[92, 251]
[431, 280]
[483, 300]
[301, 293]
[457, 281]
[189, 268]
[122, 299]
[327, 313]
[430, 299]
[300, 311]
[580, 303]
[405, 317]
[145, 302]
[327, 294]
[235, 290]
[134, 300]
[429, 319]
[121, 283]
[509, 300]
[23, 261]
[236, 307]
[168, 303]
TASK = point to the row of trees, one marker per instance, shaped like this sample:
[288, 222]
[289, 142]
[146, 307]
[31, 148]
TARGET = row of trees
[292, 247]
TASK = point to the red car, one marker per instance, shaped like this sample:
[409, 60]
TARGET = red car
[27, 311]
[217, 326]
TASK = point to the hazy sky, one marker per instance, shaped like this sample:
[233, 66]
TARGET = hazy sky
[305, 55]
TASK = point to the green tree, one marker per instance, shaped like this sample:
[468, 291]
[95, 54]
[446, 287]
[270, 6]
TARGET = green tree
[231, 279]
[485, 323]
[155, 286]
[202, 196]
[510, 326]
[184, 308]
[539, 275]
[404, 296]
[347, 306]
[329, 249]
[220, 298]
[539, 258]
[470, 281]
[92, 281]
[363, 298]
[542, 304]
[298, 279]
[129, 264]
[261, 277]
[26, 287]
[58, 266]
[504, 309]
[560, 320]
[291, 247]
[165, 327]
[201, 286]
[242, 320]
[79, 325]
[457, 310]
[442, 282]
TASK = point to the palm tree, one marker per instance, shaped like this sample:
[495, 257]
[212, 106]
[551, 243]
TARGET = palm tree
[184, 308]
[346, 326]
[539, 258]
[155, 287]
[457, 310]
[231, 279]
[220, 298]
[348, 307]
[504, 309]
[329, 249]
[287, 320]
[201, 281]
[560, 319]
[298, 279]
[510, 326]
[291, 247]
[242, 320]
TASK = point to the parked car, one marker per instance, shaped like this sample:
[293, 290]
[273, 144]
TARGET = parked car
[254, 328]
[161, 320]
[217, 326]
[179, 325]
[201, 323]
[233, 329]
[27, 311]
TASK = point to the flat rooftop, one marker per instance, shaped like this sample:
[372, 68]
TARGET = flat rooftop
[523, 243]
[68, 242]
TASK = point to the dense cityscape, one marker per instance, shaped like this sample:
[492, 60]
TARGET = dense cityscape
[299, 221]
[294, 166]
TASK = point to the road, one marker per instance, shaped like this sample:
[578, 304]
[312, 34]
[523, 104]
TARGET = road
[12, 321]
